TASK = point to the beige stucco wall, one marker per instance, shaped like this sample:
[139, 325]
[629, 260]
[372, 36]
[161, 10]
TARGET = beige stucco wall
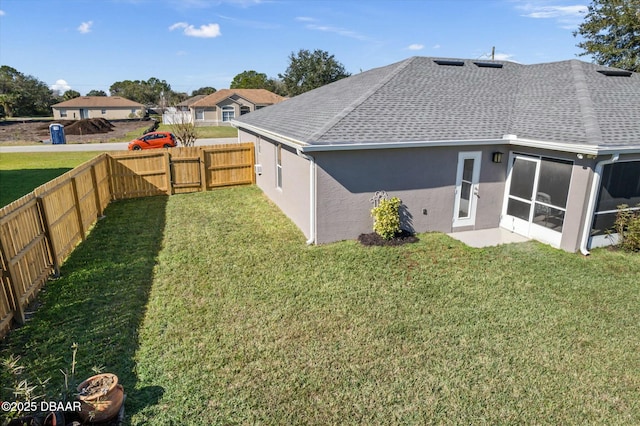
[213, 115]
[109, 113]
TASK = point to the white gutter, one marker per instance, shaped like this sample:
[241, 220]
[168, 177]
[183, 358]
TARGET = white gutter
[312, 196]
[591, 206]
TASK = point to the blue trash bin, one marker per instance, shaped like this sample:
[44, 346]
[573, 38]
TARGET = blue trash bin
[57, 134]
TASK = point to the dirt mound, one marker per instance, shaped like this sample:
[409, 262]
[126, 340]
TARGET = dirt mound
[88, 126]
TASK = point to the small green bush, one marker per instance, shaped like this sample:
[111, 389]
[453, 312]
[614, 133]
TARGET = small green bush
[386, 217]
[627, 225]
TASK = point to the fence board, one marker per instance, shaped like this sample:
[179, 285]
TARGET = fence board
[136, 175]
[41, 229]
[227, 165]
[26, 257]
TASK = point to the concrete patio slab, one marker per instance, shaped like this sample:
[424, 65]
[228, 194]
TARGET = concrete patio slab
[488, 237]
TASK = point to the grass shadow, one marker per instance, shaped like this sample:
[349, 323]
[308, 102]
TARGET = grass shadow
[98, 302]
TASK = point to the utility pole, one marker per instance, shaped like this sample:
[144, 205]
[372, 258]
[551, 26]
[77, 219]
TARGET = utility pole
[493, 53]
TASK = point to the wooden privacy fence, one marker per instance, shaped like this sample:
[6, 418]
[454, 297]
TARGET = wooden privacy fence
[41, 229]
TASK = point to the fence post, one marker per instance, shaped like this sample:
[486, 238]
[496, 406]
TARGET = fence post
[110, 177]
[167, 163]
[203, 170]
[12, 298]
[253, 163]
[47, 232]
[76, 202]
[96, 191]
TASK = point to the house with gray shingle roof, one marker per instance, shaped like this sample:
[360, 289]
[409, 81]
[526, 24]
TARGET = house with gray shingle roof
[107, 107]
[547, 151]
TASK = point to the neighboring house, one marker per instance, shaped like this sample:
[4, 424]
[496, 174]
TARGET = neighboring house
[547, 151]
[219, 108]
[181, 113]
[109, 107]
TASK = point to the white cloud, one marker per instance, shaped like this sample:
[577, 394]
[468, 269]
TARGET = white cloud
[206, 4]
[503, 56]
[568, 17]
[336, 30]
[436, 46]
[304, 19]
[556, 11]
[2, 13]
[415, 46]
[85, 27]
[60, 86]
[205, 31]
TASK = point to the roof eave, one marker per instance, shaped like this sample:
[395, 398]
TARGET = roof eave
[512, 140]
[292, 142]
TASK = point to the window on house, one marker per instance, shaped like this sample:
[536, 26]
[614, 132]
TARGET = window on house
[103, 111]
[279, 166]
[228, 113]
[200, 114]
[244, 110]
[63, 113]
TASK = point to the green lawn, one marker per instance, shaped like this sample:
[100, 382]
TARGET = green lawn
[212, 310]
[21, 173]
[202, 132]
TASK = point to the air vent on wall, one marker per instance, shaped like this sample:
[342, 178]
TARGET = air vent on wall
[615, 73]
[488, 65]
[449, 62]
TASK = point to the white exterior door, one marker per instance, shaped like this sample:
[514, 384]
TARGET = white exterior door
[467, 189]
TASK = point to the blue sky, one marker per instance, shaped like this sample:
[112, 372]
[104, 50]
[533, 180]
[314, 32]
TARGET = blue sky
[91, 44]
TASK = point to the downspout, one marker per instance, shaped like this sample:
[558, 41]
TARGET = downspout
[312, 196]
[592, 202]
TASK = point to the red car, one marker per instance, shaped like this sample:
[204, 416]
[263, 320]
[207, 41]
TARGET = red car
[154, 140]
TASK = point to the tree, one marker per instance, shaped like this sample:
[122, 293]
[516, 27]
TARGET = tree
[611, 32]
[203, 91]
[96, 93]
[250, 80]
[184, 129]
[23, 95]
[70, 94]
[308, 71]
[150, 92]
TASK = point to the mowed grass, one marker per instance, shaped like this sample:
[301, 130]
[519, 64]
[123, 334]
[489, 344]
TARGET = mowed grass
[222, 315]
[22, 172]
[202, 132]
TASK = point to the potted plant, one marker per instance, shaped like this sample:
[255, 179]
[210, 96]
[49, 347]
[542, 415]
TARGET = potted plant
[100, 397]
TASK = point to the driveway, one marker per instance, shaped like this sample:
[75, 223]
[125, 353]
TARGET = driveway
[110, 146]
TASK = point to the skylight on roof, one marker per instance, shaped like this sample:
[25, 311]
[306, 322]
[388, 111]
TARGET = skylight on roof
[488, 64]
[615, 73]
[449, 62]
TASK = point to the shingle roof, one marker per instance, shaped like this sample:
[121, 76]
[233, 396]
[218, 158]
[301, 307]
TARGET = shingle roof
[420, 100]
[191, 100]
[97, 102]
[255, 96]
